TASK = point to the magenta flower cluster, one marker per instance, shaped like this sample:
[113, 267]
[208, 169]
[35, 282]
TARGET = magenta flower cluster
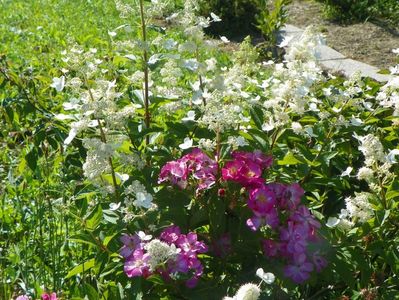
[278, 206]
[202, 168]
[184, 264]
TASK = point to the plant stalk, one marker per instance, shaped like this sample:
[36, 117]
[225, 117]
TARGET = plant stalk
[145, 70]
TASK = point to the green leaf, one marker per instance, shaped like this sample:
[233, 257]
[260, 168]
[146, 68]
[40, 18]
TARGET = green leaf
[257, 116]
[392, 194]
[94, 218]
[157, 279]
[31, 159]
[111, 216]
[289, 159]
[81, 268]
[83, 238]
[90, 292]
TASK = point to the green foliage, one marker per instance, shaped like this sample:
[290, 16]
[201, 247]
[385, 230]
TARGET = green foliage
[238, 16]
[270, 20]
[361, 10]
[60, 231]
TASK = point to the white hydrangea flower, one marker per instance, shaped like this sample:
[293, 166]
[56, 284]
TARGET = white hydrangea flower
[98, 154]
[296, 127]
[237, 142]
[143, 200]
[371, 148]
[190, 116]
[345, 224]
[159, 253]
[359, 207]
[207, 144]
[248, 291]
[365, 173]
[137, 196]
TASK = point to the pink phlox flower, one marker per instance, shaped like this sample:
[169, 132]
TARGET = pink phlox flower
[232, 170]
[199, 161]
[265, 161]
[130, 244]
[278, 190]
[292, 196]
[175, 172]
[171, 234]
[300, 270]
[261, 200]
[257, 157]
[181, 264]
[319, 261]
[270, 247]
[185, 261]
[243, 169]
[249, 173]
[261, 219]
[304, 217]
[137, 265]
[296, 238]
[189, 244]
[196, 163]
[22, 297]
[52, 296]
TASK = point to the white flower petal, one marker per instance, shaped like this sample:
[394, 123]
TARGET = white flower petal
[215, 18]
[114, 206]
[332, 222]
[58, 83]
[188, 143]
[347, 172]
[224, 39]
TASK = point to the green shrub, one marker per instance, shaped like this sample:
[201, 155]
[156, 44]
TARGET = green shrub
[361, 10]
[238, 16]
[270, 20]
[345, 10]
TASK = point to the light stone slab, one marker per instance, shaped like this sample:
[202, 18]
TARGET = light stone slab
[327, 53]
[349, 66]
[333, 60]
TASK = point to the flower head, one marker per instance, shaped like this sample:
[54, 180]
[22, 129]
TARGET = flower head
[52, 296]
[248, 291]
[299, 270]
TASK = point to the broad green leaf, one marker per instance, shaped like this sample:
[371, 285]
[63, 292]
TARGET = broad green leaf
[83, 238]
[94, 218]
[31, 158]
[81, 268]
[289, 159]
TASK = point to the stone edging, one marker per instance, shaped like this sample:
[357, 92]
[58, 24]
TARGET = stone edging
[334, 61]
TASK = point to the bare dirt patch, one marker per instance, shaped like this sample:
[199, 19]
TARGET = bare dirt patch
[365, 42]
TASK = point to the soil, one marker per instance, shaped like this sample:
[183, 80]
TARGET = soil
[366, 42]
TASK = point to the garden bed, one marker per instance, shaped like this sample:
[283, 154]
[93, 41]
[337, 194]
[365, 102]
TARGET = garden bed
[366, 42]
